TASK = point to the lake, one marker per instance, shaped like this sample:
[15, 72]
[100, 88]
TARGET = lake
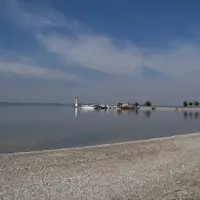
[28, 128]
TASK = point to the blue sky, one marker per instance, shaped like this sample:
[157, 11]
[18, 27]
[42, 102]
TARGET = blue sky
[98, 50]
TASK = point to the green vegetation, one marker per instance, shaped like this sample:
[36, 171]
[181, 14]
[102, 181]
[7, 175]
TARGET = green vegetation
[190, 103]
[196, 103]
[136, 104]
[185, 103]
[148, 103]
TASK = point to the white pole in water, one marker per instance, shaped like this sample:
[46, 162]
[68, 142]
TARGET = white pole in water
[76, 102]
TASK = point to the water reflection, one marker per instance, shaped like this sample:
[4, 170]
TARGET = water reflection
[148, 113]
[196, 115]
[185, 114]
[190, 115]
[119, 112]
[26, 128]
[76, 112]
[136, 112]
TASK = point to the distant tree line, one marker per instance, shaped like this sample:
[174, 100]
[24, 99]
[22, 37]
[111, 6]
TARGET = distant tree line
[147, 103]
[190, 103]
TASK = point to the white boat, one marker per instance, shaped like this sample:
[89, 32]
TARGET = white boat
[88, 106]
[111, 106]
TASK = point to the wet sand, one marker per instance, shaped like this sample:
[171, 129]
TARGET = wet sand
[167, 168]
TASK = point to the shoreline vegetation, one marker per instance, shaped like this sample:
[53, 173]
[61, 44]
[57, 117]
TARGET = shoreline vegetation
[163, 168]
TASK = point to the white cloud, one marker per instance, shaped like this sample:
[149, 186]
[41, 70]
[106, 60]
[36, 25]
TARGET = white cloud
[28, 16]
[14, 68]
[94, 52]
[181, 60]
[87, 49]
[84, 48]
[102, 54]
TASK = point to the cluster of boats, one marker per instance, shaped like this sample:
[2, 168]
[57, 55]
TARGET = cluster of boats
[120, 106]
[98, 106]
[105, 107]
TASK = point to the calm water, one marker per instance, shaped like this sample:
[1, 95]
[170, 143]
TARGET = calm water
[26, 128]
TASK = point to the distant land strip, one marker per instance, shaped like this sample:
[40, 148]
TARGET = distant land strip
[33, 104]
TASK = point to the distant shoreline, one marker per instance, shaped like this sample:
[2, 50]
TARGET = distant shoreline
[33, 104]
[81, 103]
[157, 107]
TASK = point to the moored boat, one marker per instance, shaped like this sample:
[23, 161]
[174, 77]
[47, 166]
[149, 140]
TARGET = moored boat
[101, 107]
[111, 106]
[92, 106]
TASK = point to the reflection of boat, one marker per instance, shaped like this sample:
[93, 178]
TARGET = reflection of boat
[89, 107]
[125, 111]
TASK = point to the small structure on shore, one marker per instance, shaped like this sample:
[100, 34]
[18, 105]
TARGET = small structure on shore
[125, 106]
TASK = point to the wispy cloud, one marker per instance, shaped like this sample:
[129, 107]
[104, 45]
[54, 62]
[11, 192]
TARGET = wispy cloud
[102, 54]
[37, 18]
[79, 47]
[179, 60]
[9, 68]
[94, 52]
[87, 49]
[90, 50]
[33, 18]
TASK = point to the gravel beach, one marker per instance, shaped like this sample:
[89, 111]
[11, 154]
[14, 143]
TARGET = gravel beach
[167, 168]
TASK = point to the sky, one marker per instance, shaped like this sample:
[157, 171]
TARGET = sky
[100, 50]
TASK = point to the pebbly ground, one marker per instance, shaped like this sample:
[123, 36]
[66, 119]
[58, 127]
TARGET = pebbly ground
[158, 169]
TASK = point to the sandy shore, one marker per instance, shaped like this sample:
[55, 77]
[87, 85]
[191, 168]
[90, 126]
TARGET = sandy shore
[167, 168]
